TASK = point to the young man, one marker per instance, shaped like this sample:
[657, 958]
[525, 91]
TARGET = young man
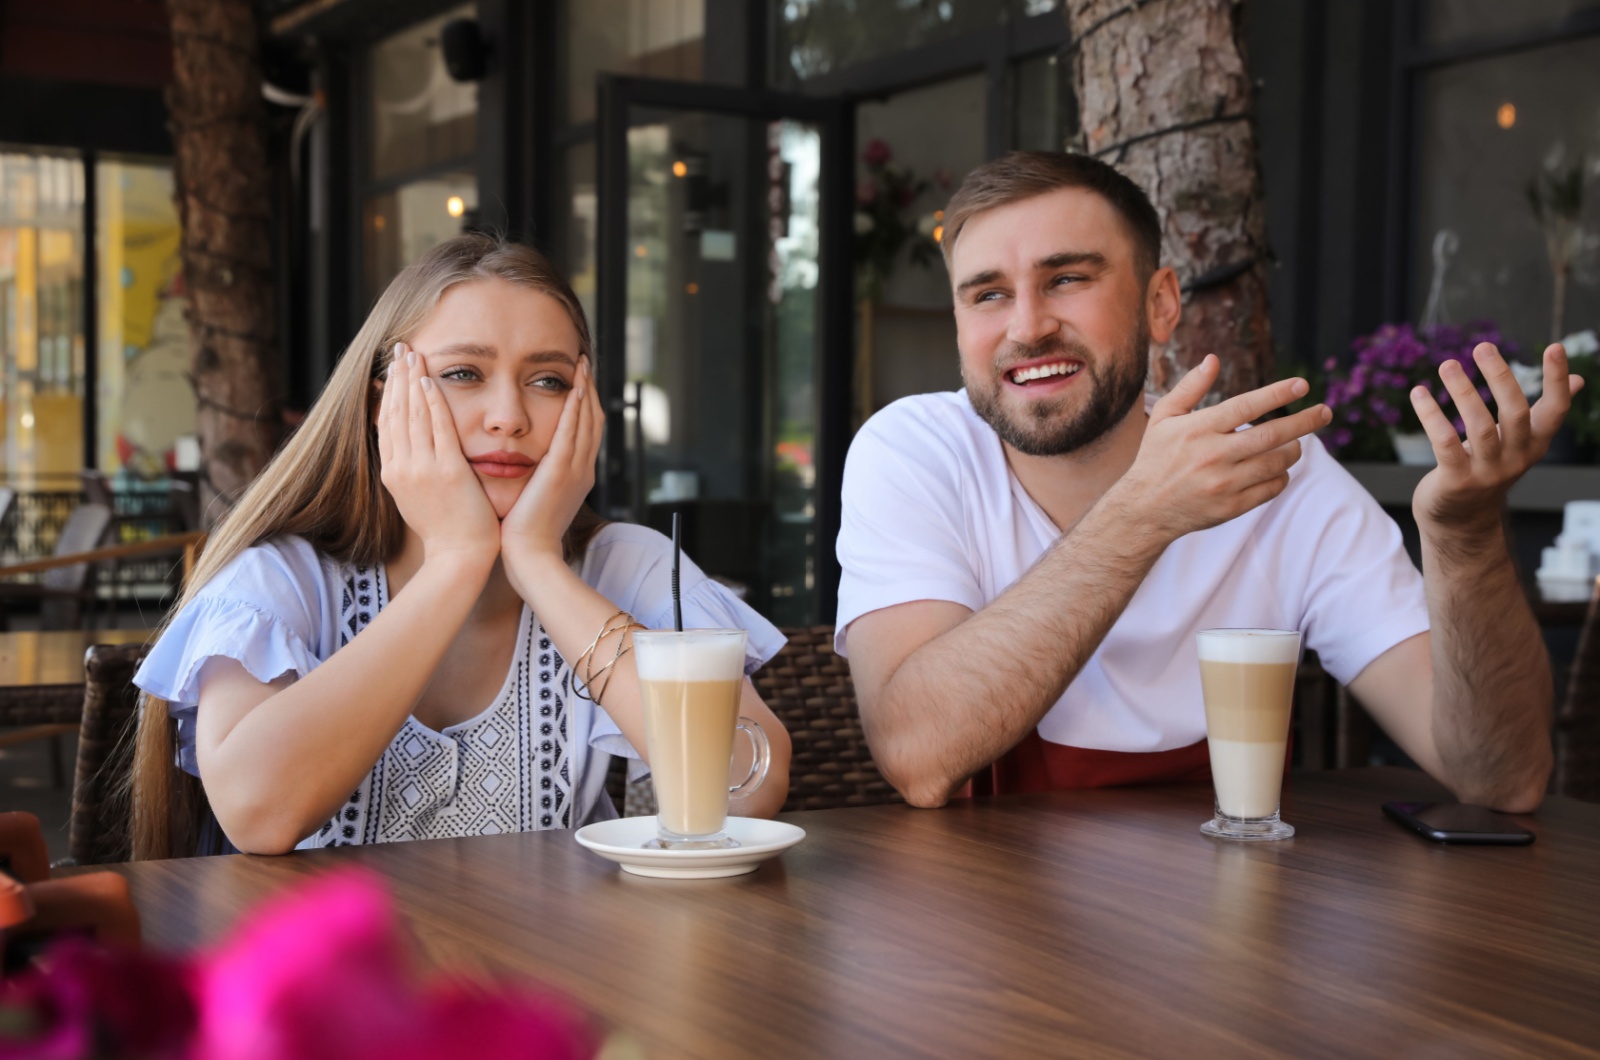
[1026, 561]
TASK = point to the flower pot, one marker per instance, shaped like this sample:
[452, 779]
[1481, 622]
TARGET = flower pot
[1413, 450]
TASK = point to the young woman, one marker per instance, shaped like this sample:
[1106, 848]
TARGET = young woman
[388, 637]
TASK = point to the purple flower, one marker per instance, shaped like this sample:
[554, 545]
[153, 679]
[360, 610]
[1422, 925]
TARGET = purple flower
[877, 153]
[866, 192]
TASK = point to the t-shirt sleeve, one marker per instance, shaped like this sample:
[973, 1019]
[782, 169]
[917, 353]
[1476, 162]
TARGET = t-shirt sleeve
[903, 530]
[1363, 594]
[261, 610]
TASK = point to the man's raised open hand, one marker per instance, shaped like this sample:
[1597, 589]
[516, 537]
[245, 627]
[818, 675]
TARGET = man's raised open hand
[1196, 468]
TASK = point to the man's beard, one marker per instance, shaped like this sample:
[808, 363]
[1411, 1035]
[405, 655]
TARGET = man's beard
[1044, 428]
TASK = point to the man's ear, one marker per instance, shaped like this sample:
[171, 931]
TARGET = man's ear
[1163, 304]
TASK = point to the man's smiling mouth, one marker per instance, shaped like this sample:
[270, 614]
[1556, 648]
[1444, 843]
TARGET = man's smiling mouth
[1036, 372]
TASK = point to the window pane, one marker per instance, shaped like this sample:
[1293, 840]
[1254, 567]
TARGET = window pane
[575, 234]
[41, 315]
[1043, 111]
[420, 117]
[403, 224]
[816, 37]
[1487, 130]
[652, 38]
[145, 404]
[1452, 21]
[935, 137]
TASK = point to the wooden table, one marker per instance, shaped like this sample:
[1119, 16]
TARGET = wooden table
[41, 674]
[1088, 923]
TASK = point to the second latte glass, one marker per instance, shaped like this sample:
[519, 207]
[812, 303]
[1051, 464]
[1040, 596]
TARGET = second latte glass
[1248, 680]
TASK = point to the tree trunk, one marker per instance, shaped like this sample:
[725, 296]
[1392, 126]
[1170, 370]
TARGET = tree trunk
[224, 199]
[1164, 94]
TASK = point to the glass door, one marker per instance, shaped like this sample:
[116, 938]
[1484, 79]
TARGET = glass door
[720, 253]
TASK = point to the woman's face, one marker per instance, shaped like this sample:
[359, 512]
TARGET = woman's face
[504, 357]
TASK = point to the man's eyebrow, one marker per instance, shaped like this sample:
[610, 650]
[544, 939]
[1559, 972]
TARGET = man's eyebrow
[978, 280]
[1065, 259]
[1092, 258]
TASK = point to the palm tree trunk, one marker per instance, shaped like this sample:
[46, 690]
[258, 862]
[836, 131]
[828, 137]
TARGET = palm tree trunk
[224, 195]
[1164, 94]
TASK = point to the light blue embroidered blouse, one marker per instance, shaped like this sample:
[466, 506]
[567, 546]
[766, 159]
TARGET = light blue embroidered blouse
[535, 758]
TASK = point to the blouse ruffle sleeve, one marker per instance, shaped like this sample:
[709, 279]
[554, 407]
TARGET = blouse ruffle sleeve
[262, 610]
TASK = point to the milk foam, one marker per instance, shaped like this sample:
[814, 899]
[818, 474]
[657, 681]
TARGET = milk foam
[693, 655]
[1249, 646]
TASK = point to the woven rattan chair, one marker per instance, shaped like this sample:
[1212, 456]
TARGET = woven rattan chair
[1577, 734]
[808, 687]
[99, 815]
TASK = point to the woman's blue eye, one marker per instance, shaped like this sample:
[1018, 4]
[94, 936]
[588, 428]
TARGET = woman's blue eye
[551, 382]
[458, 374]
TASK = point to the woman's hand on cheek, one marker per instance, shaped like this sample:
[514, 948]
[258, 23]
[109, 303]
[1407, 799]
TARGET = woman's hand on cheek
[436, 490]
[538, 521]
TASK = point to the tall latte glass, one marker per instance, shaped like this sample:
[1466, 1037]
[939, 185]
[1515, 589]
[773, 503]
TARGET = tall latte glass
[689, 685]
[1248, 679]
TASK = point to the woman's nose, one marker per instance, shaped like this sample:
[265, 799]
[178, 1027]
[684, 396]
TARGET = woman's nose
[506, 413]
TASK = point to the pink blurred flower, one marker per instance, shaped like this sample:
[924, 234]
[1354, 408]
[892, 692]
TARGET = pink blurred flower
[876, 154]
[84, 999]
[866, 192]
[941, 177]
[325, 973]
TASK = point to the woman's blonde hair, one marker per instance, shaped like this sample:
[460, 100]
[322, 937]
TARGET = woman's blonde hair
[324, 486]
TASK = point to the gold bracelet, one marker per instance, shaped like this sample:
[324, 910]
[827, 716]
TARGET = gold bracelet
[605, 627]
[623, 648]
[586, 660]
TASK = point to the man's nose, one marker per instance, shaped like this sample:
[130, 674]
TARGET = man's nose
[1031, 320]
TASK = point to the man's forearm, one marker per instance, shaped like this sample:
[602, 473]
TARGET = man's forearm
[965, 698]
[1491, 672]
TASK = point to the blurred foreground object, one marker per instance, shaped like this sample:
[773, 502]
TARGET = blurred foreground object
[325, 971]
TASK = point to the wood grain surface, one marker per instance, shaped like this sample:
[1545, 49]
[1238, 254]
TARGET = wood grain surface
[1092, 923]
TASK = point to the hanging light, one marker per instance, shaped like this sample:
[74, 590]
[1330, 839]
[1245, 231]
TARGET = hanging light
[1506, 115]
[454, 206]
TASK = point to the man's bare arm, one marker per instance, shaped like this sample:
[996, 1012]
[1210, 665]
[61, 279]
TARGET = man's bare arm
[1485, 676]
[945, 691]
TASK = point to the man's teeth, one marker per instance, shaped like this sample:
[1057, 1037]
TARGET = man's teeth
[1044, 371]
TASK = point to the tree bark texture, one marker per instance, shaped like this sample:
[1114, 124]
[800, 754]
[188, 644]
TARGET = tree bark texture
[1164, 94]
[224, 195]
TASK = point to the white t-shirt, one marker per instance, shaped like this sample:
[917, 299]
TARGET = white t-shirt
[933, 512]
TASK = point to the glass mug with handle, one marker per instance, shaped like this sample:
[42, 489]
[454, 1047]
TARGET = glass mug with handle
[1247, 676]
[690, 683]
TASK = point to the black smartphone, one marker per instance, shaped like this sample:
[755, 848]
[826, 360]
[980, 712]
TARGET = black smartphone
[1456, 822]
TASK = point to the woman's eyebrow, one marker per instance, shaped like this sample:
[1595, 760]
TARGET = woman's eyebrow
[489, 353]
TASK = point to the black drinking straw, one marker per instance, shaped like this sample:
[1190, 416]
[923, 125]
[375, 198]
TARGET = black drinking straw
[677, 554]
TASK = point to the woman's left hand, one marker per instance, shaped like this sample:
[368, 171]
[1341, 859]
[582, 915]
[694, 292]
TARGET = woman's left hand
[538, 521]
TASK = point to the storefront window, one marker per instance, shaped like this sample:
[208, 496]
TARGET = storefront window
[1488, 131]
[420, 117]
[1446, 22]
[145, 405]
[41, 315]
[1043, 111]
[403, 224]
[576, 236]
[651, 38]
[816, 37]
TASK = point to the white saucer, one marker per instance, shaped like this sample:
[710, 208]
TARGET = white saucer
[623, 841]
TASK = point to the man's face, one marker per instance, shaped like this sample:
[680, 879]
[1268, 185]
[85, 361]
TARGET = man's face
[1050, 320]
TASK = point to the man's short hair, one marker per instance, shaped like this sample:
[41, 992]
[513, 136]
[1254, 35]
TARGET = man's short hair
[1023, 174]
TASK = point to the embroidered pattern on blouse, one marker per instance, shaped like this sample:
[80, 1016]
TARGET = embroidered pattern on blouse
[506, 770]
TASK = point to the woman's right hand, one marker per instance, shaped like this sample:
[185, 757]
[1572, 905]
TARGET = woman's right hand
[436, 490]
